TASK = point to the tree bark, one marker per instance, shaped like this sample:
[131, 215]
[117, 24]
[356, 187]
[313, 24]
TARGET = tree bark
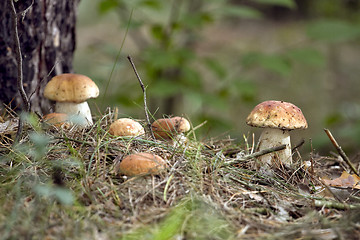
[47, 40]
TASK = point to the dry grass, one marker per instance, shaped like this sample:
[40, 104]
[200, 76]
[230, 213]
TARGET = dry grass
[64, 184]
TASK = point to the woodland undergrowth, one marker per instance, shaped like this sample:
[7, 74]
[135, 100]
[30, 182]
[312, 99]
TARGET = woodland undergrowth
[58, 183]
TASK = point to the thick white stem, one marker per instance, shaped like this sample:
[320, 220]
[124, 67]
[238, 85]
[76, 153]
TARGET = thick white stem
[81, 110]
[271, 137]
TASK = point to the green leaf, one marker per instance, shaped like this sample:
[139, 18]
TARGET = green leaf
[40, 142]
[333, 30]
[215, 66]
[63, 195]
[152, 4]
[333, 119]
[164, 88]
[307, 56]
[191, 78]
[195, 20]
[32, 119]
[284, 3]
[172, 224]
[211, 100]
[246, 89]
[124, 100]
[157, 31]
[107, 5]
[38, 139]
[160, 59]
[274, 63]
[191, 219]
[241, 12]
[217, 122]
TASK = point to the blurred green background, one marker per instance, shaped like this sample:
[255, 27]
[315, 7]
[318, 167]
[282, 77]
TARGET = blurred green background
[215, 60]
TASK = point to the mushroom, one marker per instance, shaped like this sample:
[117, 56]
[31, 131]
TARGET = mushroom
[170, 128]
[126, 127]
[57, 120]
[142, 164]
[70, 92]
[277, 118]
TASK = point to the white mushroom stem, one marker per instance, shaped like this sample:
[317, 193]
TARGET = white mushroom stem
[271, 137]
[179, 139]
[76, 109]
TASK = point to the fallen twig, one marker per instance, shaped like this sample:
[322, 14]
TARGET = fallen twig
[299, 145]
[144, 92]
[256, 154]
[335, 205]
[330, 191]
[340, 151]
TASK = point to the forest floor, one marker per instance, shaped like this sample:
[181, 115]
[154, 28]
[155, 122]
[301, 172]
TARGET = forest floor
[59, 183]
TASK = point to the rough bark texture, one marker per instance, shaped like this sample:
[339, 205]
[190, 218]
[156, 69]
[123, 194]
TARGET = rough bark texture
[47, 38]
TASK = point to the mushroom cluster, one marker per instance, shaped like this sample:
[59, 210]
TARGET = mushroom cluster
[71, 91]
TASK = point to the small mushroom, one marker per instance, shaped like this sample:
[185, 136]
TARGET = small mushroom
[126, 127]
[170, 128]
[57, 120]
[277, 118]
[142, 164]
[70, 92]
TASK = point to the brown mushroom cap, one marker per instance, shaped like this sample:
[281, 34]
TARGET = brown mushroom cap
[126, 127]
[166, 128]
[57, 119]
[277, 114]
[142, 164]
[69, 87]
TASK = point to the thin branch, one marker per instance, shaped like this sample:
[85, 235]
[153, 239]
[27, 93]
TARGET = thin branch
[256, 154]
[41, 80]
[312, 172]
[19, 58]
[335, 205]
[330, 191]
[299, 145]
[23, 13]
[144, 92]
[340, 151]
[20, 76]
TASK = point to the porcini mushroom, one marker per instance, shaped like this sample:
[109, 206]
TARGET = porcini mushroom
[170, 128]
[126, 127]
[70, 92]
[57, 119]
[142, 164]
[277, 118]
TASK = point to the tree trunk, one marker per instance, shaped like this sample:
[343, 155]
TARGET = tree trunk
[47, 40]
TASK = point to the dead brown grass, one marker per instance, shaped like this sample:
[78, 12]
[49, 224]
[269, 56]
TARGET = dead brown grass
[68, 187]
